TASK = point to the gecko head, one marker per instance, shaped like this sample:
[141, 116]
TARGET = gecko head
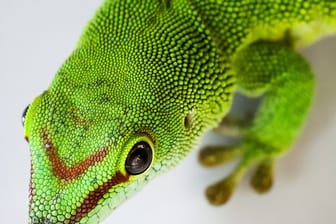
[96, 140]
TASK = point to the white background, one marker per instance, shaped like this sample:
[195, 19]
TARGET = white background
[37, 36]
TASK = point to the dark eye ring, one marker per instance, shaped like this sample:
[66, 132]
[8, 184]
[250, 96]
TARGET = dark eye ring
[139, 158]
[23, 118]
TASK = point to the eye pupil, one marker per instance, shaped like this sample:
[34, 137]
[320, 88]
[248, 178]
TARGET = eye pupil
[139, 158]
[23, 118]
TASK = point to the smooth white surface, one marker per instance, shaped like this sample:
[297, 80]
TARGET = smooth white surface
[37, 36]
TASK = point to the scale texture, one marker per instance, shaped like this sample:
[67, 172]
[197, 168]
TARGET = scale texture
[150, 77]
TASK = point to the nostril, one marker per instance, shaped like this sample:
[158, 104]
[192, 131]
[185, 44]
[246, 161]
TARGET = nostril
[23, 118]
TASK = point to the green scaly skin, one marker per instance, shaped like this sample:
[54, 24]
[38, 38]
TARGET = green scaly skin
[164, 72]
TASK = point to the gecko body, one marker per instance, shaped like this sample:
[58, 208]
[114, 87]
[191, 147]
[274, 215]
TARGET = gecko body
[148, 78]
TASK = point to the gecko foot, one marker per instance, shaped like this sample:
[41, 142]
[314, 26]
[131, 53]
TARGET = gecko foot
[251, 153]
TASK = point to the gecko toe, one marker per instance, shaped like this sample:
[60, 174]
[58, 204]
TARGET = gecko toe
[218, 155]
[262, 180]
[221, 192]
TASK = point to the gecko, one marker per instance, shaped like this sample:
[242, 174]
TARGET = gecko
[148, 78]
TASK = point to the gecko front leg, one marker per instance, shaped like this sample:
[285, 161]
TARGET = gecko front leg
[285, 81]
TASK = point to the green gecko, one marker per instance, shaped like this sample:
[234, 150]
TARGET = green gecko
[148, 77]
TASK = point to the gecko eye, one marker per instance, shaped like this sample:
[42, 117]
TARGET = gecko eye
[23, 118]
[139, 158]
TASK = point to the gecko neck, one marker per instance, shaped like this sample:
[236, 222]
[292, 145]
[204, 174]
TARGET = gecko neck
[247, 22]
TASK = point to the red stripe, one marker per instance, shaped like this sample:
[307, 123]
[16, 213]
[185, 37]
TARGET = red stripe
[65, 172]
[91, 200]
[62, 170]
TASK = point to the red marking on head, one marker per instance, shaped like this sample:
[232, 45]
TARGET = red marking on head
[65, 172]
[62, 170]
[78, 118]
[91, 200]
